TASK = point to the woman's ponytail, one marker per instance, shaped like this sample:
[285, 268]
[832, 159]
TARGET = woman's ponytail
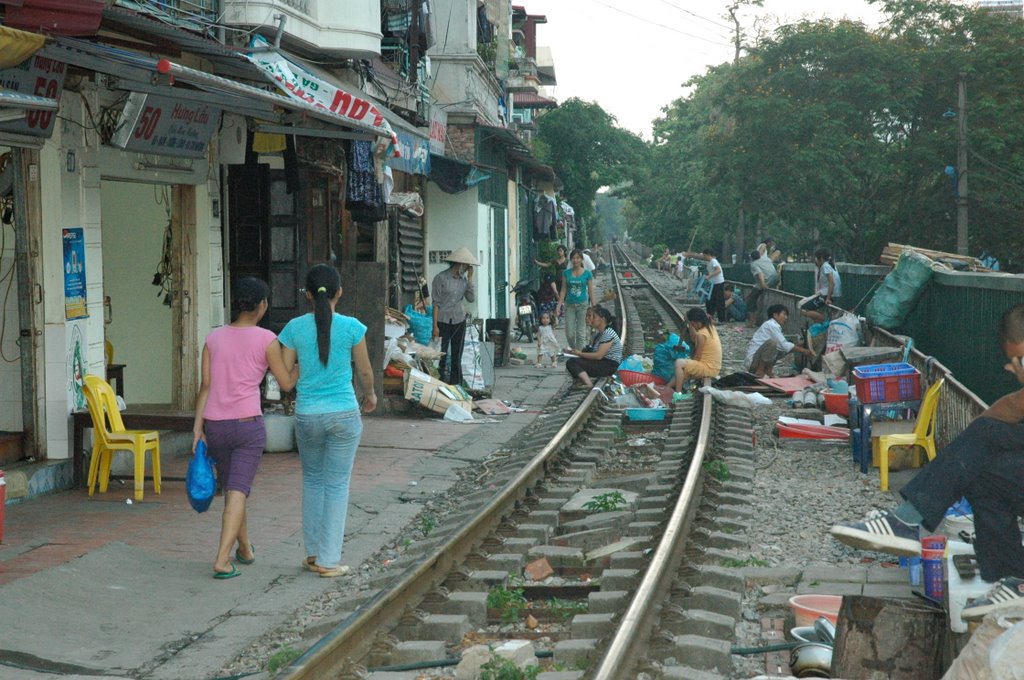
[322, 284]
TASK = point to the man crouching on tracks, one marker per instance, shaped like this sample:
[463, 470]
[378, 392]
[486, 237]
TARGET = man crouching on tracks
[769, 344]
[985, 463]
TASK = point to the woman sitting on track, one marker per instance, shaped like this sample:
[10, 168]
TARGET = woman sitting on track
[603, 355]
[706, 361]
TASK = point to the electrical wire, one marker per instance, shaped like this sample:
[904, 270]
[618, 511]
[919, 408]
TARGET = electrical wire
[661, 25]
[694, 14]
[1005, 171]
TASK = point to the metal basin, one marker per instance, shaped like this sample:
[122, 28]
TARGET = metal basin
[811, 660]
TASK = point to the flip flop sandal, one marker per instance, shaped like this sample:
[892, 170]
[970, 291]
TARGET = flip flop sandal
[243, 560]
[333, 572]
[223, 575]
[309, 564]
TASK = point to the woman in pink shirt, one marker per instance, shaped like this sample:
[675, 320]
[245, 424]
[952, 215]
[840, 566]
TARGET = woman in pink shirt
[229, 416]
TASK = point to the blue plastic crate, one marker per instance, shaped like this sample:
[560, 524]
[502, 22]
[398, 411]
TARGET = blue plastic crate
[635, 414]
[887, 383]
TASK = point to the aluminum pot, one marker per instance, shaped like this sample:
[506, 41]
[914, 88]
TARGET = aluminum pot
[811, 660]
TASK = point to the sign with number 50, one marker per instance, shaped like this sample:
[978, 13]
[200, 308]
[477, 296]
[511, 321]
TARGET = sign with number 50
[40, 77]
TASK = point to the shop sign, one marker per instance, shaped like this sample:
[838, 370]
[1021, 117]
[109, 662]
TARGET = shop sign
[154, 124]
[40, 77]
[413, 154]
[299, 83]
[74, 273]
[438, 130]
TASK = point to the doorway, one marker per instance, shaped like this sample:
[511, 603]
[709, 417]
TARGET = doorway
[139, 271]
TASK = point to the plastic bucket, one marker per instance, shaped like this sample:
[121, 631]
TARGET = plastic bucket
[837, 403]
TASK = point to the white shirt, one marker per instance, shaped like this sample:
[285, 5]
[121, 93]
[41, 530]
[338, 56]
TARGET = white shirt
[764, 266]
[712, 266]
[588, 264]
[769, 330]
[822, 289]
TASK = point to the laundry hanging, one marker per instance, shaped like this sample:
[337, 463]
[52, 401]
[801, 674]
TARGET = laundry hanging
[365, 197]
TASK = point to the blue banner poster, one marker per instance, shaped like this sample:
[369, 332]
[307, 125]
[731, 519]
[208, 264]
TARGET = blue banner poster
[74, 273]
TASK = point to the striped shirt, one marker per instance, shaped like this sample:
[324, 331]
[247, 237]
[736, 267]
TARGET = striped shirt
[609, 335]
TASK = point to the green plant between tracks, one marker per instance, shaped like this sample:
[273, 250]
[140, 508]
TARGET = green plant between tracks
[509, 600]
[606, 502]
[749, 562]
[565, 609]
[500, 668]
[282, 658]
[717, 469]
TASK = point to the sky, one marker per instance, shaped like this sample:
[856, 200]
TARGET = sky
[633, 56]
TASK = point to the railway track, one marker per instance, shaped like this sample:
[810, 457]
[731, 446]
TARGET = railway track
[595, 553]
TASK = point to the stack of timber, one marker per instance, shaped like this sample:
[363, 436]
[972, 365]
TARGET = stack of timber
[891, 254]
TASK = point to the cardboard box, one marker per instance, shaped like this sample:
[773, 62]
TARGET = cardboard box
[433, 394]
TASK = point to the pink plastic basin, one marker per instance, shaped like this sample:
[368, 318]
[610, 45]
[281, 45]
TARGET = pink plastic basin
[807, 608]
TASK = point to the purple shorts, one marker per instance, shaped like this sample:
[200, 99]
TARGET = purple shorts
[236, 447]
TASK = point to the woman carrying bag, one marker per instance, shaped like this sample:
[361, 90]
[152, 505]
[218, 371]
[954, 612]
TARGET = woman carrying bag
[448, 290]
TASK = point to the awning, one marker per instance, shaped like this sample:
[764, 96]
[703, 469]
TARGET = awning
[454, 176]
[56, 17]
[531, 100]
[314, 90]
[532, 166]
[138, 73]
[503, 136]
[17, 46]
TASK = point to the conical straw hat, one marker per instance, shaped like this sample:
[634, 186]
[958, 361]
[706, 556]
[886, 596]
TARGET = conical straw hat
[463, 256]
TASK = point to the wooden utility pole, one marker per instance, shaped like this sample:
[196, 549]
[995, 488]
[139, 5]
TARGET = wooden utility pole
[961, 164]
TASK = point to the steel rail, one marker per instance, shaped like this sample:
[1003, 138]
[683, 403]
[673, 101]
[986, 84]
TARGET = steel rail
[348, 641]
[621, 654]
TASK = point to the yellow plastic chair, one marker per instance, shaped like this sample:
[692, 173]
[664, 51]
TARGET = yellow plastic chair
[109, 435]
[922, 433]
[108, 351]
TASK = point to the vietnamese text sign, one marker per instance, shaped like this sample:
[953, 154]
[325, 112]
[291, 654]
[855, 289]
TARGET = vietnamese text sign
[40, 77]
[160, 125]
[74, 273]
[300, 84]
[438, 130]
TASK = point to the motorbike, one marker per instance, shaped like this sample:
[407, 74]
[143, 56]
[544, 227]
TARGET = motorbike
[526, 310]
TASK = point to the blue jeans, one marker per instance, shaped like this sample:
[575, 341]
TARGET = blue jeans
[327, 445]
[576, 324]
[985, 463]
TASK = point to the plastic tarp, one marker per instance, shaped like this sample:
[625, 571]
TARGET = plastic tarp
[900, 290]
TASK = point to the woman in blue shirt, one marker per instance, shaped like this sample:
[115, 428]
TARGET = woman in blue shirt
[576, 296]
[327, 421]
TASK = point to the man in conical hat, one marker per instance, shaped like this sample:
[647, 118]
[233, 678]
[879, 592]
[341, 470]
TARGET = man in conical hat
[449, 289]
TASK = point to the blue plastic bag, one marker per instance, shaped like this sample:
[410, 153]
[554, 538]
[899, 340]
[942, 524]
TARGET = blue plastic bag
[665, 356]
[199, 481]
[632, 363]
[421, 324]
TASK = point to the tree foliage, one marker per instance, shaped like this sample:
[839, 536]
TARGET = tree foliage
[581, 141]
[829, 133]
